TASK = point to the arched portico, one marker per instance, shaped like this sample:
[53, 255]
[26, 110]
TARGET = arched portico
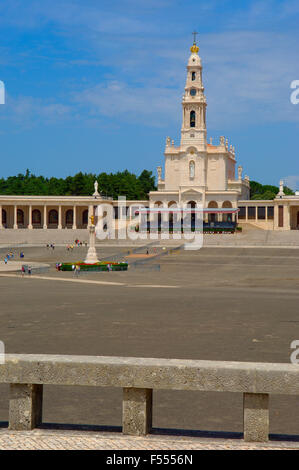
[212, 217]
[53, 218]
[36, 218]
[227, 217]
[85, 218]
[69, 218]
[171, 216]
[20, 218]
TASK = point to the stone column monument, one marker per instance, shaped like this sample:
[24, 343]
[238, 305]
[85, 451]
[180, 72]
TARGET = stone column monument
[91, 257]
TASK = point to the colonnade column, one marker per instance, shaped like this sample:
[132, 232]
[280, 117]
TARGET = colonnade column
[30, 218]
[59, 217]
[15, 220]
[74, 218]
[287, 210]
[1, 224]
[276, 217]
[45, 218]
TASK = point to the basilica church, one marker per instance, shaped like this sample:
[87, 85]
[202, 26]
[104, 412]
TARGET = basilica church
[196, 172]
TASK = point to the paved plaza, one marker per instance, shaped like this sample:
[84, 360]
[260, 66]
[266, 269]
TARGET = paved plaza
[85, 440]
[234, 304]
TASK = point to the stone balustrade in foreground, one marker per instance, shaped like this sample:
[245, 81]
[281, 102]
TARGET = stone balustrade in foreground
[27, 373]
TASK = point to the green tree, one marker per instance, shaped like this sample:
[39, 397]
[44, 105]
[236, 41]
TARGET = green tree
[81, 184]
[266, 191]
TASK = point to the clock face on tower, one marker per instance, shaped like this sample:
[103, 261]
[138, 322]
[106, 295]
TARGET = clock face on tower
[192, 92]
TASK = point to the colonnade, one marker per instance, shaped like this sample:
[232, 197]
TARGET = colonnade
[45, 216]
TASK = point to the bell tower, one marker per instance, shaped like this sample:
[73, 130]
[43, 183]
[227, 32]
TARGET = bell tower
[194, 131]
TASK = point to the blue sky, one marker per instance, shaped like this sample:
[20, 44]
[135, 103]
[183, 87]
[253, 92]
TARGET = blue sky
[96, 85]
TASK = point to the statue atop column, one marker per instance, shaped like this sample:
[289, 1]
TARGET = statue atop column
[281, 192]
[96, 187]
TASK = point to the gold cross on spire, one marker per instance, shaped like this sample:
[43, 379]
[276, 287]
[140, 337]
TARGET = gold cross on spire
[194, 48]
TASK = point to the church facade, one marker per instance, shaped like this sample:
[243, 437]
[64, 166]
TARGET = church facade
[196, 172]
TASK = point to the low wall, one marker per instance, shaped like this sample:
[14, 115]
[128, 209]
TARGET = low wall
[26, 374]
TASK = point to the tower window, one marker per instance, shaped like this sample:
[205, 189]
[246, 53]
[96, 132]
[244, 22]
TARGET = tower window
[192, 119]
[193, 76]
[192, 92]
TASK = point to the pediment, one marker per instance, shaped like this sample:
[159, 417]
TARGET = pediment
[192, 190]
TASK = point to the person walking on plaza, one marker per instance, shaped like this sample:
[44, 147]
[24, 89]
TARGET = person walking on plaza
[23, 271]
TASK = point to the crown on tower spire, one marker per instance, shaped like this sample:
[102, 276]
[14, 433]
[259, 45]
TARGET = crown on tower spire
[194, 48]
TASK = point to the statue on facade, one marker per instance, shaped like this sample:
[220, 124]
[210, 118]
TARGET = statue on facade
[240, 169]
[281, 192]
[159, 171]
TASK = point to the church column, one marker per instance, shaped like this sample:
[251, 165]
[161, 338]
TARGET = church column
[15, 212]
[1, 224]
[74, 218]
[45, 226]
[60, 217]
[30, 217]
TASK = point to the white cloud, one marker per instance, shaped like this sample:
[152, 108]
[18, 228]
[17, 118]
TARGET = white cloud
[246, 73]
[27, 111]
[151, 105]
